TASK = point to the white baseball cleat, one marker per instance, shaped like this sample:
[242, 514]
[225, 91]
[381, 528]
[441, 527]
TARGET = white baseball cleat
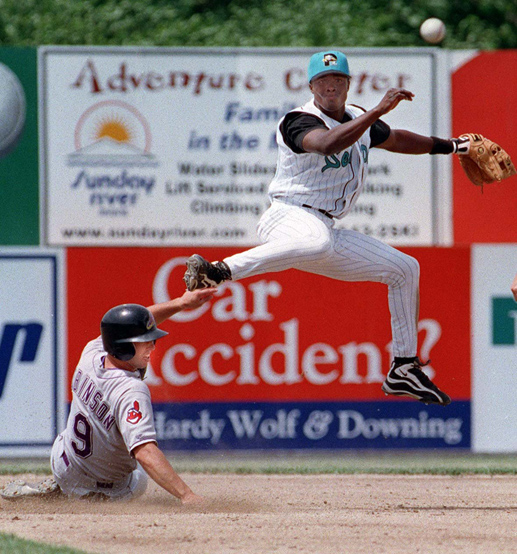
[21, 489]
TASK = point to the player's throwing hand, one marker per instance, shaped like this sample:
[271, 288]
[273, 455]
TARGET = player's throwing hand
[392, 98]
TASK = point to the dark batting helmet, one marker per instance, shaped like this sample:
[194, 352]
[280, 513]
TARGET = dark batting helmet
[125, 324]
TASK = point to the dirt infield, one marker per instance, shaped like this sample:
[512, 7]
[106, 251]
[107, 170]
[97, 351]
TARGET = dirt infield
[286, 513]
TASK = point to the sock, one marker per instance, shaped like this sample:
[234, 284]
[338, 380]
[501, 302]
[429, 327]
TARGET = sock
[401, 361]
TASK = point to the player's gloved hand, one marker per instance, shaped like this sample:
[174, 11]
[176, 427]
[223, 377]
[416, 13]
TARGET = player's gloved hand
[484, 161]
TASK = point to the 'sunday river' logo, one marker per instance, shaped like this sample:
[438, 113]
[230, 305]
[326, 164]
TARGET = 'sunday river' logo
[112, 134]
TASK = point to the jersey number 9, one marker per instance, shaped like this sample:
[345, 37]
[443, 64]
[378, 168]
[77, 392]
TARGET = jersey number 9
[83, 432]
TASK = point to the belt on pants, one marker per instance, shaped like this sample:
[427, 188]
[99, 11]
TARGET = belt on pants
[99, 484]
[324, 212]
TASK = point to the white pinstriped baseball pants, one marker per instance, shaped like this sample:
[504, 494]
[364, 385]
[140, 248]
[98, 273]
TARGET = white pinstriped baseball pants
[304, 239]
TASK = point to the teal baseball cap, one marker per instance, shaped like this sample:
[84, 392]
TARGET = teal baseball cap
[329, 61]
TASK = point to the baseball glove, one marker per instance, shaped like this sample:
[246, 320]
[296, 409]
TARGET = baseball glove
[485, 161]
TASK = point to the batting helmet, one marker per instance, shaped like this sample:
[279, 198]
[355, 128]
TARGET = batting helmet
[125, 324]
[330, 61]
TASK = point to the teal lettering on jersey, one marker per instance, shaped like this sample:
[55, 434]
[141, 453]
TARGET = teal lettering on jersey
[334, 163]
[364, 152]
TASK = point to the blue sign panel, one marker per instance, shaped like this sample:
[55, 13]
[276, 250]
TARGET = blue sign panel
[328, 425]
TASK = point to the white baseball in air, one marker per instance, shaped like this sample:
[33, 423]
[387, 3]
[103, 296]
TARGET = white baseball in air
[432, 30]
[12, 110]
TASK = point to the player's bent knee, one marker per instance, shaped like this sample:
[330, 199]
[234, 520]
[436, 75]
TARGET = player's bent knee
[405, 271]
[316, 246]
[413, 267]
[138, 484]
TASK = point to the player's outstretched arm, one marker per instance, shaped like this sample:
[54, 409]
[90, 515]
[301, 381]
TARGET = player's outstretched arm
[188, 301]
[514, 287]
[155, 464]
[407, 142]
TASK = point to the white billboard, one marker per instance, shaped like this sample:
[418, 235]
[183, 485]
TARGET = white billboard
[31, 350]
[177, 146]
[494, 348]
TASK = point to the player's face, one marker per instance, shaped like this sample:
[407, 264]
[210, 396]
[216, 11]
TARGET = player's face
[142, 353]
[330, 91]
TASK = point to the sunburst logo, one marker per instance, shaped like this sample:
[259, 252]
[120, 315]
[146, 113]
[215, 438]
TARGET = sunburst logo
[112, 133]
[114, 127]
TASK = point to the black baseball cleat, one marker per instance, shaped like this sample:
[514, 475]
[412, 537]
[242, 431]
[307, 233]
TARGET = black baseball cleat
[408, 379]
[202, 274]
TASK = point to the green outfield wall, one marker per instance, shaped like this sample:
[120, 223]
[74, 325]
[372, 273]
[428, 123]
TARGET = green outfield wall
[19, 209]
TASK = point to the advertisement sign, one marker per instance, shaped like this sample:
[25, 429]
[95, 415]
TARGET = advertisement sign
[31, 350]
[485, 215]
[19, 200]
[283, 351]
[494, 348]
[328, 425]
[177, 146]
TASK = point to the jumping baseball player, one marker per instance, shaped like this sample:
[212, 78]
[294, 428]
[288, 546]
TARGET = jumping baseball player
[322, 166]
[111, 425]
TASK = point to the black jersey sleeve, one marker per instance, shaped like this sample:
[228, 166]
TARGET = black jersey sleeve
[379, 132]
[295, 126]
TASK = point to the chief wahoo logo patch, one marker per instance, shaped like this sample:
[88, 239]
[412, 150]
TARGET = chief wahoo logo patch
[134, 415]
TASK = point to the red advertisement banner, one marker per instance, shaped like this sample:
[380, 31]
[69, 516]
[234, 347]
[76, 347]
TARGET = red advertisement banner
[486, 216]
[287, 336]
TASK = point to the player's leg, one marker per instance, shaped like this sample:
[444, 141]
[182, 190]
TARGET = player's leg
[361, 258]
[71, 481]
[130, 488]
[19, 488]
[75, 483]
[22, 489]
[291, 236]
[357, 257]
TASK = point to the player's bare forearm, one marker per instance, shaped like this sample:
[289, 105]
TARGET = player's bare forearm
[188, 301]
[337, 139]
[328, 142]
[407, 142]
[155, 464]
[514, 288]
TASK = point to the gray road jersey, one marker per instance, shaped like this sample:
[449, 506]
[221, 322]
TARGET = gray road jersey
[111, 413]
[331, 183]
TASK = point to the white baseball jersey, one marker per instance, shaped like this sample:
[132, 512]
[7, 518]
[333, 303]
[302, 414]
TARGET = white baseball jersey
[331, 183]
[111, 413]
